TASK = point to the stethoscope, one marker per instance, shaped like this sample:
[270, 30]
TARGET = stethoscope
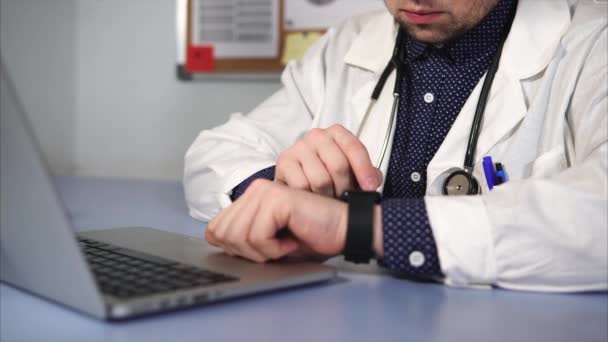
[460, 181]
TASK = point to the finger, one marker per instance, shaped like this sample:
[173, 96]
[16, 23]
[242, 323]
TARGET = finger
[338, 167]
[358, 157]
[379, 176]
[236, 236]
[244, 213]
[212, 227]
[248, 252]
[222, 224]
[211, 233]
[274, 249]
[270, 219]
[209, 237]
[305, 253]
[289, 172]
[315, 171]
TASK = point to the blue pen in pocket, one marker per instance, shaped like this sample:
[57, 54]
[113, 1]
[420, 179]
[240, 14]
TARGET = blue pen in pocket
[488, 171]
[501, 176]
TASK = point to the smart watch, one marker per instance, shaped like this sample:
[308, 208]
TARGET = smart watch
[359, 231]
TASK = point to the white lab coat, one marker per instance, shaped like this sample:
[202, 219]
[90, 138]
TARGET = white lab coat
[546, 121]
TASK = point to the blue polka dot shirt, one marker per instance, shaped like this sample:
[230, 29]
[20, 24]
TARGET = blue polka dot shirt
[436, 84]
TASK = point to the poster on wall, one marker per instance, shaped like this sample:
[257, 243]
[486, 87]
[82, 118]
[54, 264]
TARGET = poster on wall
[245, 39]
[236, 28]
[303, 15]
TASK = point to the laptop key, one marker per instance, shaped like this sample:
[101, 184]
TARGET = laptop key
[124, 293]
[160, 287]
[144, 256]
[201, 282]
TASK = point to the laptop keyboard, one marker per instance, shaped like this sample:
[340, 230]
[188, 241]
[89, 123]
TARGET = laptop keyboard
[124, 273]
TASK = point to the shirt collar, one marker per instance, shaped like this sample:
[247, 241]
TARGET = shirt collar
[478, 43]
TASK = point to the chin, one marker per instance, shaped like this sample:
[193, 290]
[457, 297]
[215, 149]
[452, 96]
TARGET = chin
[426, 35]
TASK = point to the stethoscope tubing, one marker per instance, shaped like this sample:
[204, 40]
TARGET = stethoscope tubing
[398, 62]
[469, 158]
[388, 134]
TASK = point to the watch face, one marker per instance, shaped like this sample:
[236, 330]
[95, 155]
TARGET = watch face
[362, 194]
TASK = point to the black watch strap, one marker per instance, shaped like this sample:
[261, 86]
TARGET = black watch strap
[359, 232]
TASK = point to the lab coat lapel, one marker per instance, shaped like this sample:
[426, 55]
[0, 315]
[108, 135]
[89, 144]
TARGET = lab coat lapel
[373, 47]
[380, 34]
[527, 52]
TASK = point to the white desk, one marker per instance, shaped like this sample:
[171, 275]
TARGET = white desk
[356, 307]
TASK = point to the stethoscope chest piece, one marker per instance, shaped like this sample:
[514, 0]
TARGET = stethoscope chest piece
[460, 183]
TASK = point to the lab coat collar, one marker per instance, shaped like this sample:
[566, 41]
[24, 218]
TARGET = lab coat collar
[533, 40]
[537, 37]
[373, 47]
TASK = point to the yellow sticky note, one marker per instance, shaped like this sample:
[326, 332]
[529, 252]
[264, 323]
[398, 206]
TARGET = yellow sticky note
[296, 44]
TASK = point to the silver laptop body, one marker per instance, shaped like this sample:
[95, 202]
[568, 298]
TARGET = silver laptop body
[40, 252]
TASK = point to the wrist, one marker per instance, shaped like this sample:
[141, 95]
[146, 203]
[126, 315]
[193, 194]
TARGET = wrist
[378, 237]
[342, 226]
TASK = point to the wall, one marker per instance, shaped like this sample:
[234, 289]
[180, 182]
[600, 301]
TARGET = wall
[111, 106]
[134, 118]
[37, 43]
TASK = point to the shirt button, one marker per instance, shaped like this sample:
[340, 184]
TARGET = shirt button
[416, 259]
[428, 97]
[415, 177]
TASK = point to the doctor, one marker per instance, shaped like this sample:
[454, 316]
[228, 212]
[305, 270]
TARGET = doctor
[271, 181]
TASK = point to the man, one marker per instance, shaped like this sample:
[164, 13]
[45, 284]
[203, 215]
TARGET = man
[286, 163]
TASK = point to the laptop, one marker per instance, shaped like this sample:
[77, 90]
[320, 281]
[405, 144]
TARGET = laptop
[111, 274]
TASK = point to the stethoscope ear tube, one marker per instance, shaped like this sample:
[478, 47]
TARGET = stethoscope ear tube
[396, 62]
[387, 136]
[469, 158]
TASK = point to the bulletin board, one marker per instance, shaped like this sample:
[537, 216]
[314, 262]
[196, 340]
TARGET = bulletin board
[253, 39]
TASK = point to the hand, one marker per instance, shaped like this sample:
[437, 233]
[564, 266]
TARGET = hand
[329, 162]
[251, 227]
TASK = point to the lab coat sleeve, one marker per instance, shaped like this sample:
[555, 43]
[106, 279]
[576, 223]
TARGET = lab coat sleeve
[544, 233]
[221, 158]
